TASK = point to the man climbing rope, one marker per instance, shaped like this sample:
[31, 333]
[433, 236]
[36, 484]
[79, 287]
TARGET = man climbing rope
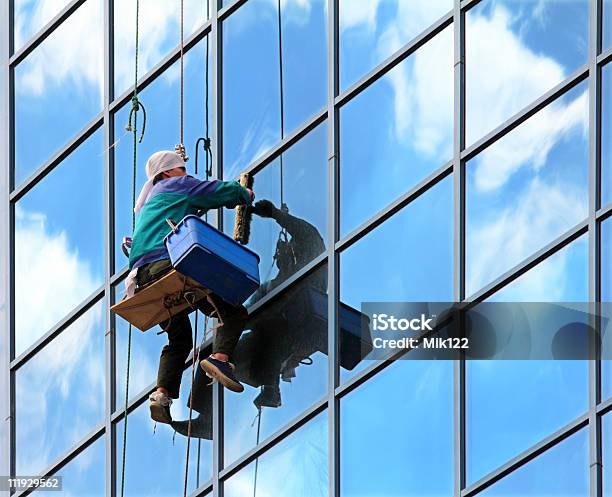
[170, 193]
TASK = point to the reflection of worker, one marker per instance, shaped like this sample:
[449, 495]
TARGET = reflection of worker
[171, 194]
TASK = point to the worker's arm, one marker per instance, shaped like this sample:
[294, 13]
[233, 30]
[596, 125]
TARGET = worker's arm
[216, 193]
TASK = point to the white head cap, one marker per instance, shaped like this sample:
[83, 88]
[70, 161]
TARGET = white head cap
[161, 161]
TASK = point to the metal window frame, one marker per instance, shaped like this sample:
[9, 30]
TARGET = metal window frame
[590, 227]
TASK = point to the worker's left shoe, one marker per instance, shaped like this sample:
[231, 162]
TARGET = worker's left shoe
[222, 371]
[270, 396]
[160, 407]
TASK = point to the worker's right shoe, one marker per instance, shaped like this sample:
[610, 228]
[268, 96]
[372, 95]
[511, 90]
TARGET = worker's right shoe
[160, 407]
[223, 372]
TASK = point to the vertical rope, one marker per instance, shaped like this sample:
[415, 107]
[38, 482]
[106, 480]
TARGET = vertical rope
[259, 409]
[282, 99]
[182, 69]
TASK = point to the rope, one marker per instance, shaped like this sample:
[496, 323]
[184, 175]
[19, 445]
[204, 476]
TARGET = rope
[181, 92]
[282, 100]
[259, 409]
[133, 127]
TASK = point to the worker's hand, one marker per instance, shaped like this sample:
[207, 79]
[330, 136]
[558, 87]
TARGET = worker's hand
[264, 208]
[251, 194]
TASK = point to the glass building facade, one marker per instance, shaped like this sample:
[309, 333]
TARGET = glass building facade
[425, 150]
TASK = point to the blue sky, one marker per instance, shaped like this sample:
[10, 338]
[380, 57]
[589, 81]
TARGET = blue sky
[522, 192]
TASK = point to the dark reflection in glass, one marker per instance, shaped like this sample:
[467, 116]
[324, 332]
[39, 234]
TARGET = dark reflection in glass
[372, 31]
[59, 393]
[606, 135]
[158, 33]
[497, 395]
[548, 37]
[155, 461]
[251, 76]
[281, 360]
[526, 189]
[408, 258]
[289, 222]
[405, 413]
[31, 16]
[296, 467]
[607, 454]
[58, 88]
[83, 476]
[59, 243]
[562, 470]
[161, 100]
[606, 296]
[396, 132]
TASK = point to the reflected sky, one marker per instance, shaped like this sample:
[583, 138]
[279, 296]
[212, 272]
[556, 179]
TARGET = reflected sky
[397, 131]
[32, 15]
[418, 257]
[606, 296]
[372, 31]
[607, 24]
[58, 89]
[296, 467]
[527, 188]
[606, 135]
[155, 463]
[403, 420]
[83, 476]
[251, 75]
[496, 390]
[161, 100]
[280, 360]
[561, 470]
[60, 393]
[505, 36]
[607, 454]
[59, 245]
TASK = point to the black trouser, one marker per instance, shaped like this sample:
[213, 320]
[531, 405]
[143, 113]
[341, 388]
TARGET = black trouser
[180, 341]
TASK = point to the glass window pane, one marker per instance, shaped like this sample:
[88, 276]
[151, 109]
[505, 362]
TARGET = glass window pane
[561, 471]
[496, 390]
[297, 466]
[606, 135]
[297, 179]
[59, 393]
[155, 460]
[397, 131]
[527, 188]
[607, 454]
[161, 100]
[58, 89]
[32, 15]
[59, 242]
[84, 475]
[379, 419]
[372, 31]
[607, 24]
[281, 359]
[516, 50]
[158, 33]
[251, 76]
[606, 296]
[417, 265]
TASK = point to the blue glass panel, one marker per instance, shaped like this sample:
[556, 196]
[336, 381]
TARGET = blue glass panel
[31, 16]
[397, 131]
[563, 470]
[497, 391]
[155, 462]
[297, 466]
[281, 359]
[380, 419]
[161, 100]
[372, 31]
[516, 50]
[58, 89]
[607, 24]
[251, 76]
[59, 393]
[606, 296]
[59, 242]
[297, 179]
[408, 258]
[606, 135]
[526, 189]
[158, 34]
[607, 454]
[84, 475]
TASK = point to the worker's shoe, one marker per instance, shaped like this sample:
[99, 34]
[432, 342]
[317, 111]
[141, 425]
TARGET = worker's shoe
[223, 372]
[160, 407]
[269, 396]
[201, 427]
